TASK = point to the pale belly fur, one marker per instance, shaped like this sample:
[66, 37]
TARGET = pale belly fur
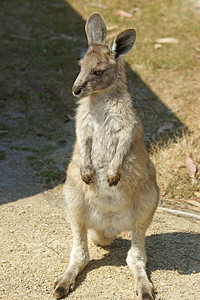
[107, 206]
[114, 207]
[120, 221]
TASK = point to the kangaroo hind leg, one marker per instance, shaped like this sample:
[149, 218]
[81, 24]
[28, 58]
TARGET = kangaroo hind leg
[136, 260]
[79, 256]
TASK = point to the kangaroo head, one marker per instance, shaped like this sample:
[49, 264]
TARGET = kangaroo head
[99, 65]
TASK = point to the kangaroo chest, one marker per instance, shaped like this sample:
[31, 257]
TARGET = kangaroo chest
[105, 136]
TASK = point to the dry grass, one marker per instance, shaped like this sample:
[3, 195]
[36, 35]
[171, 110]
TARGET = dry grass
[39, 51]
[176, 182]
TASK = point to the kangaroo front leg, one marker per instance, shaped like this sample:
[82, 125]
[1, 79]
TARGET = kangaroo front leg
[79, 258]
[124, 143]
[136, 260]
[87, 173]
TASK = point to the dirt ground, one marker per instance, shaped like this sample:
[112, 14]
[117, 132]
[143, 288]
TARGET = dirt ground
[41, 43]
[35, 249]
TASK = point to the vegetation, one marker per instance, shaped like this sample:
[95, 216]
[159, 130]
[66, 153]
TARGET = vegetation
[41, 47]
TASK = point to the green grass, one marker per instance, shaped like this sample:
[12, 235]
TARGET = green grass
[2, 154]
[48, 170]
[53, 175]
[31, 149]
[30, 157]
[3, 130]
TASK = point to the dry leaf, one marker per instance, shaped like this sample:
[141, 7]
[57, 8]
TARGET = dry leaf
[177, 164]
[194, 208]
[191, 166]
[167, 40]
[70, 117]
[35, 86]
[193, 202]
[20, 37]
[52, 93]
[123, 13]
[98, 5]
[157, 46]
[112, 27]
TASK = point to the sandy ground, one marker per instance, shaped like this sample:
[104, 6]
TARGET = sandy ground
[35, 249]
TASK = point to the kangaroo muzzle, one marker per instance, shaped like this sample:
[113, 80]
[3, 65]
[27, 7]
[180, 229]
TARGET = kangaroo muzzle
[76, 90]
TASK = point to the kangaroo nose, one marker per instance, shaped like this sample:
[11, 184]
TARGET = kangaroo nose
[76, 90]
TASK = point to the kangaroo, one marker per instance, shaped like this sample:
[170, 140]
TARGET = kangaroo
[111, 182]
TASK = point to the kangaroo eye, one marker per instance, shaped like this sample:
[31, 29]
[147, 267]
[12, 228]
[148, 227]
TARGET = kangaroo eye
[98, 73]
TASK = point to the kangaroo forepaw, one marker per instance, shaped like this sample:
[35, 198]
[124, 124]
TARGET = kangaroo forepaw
[87, 175]
[113, 179]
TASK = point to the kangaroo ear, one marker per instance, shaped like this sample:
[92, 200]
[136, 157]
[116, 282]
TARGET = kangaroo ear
[123, 42]
[95, 29]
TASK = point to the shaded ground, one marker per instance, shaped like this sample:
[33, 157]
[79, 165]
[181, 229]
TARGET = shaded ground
[41, 43]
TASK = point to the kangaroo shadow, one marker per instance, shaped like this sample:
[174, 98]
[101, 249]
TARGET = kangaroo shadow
[64, 30]
[174, 251]
[178, 251]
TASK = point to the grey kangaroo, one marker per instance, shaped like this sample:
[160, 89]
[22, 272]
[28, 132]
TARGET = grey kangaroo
[111, 182]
